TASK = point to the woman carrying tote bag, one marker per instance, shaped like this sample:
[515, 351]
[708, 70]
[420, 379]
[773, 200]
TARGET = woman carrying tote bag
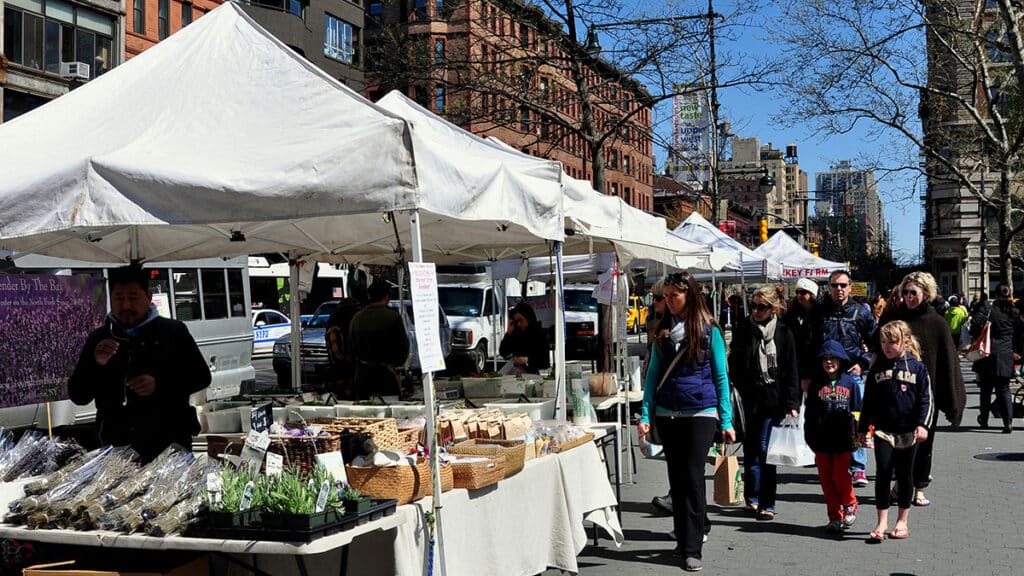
[686, 392]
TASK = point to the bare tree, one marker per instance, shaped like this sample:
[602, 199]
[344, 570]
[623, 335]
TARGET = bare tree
[547, 84]
[944, 76]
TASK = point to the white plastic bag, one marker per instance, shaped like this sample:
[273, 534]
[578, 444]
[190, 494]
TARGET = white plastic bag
[787, 447]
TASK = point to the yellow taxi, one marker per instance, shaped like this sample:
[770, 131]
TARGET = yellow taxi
[637, 311]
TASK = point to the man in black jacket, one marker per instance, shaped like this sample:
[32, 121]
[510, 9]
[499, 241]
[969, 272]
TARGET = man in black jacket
[140, 369]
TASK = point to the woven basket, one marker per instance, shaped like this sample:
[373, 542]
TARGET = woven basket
[474, 475]
[588, 437]
[301, 451]
[513, 451]
[403, 483]
[408, 439]
[447, 479]
[384, 431]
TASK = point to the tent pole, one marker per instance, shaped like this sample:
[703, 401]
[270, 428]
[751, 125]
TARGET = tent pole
[560, 380]
[494, 325]
[431, 409]
[296, 316]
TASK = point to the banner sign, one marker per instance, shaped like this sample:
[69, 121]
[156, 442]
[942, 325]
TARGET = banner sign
[818, 273]
[44, 320]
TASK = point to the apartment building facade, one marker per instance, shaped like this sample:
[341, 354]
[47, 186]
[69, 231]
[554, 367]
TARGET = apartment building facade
[502, 68]
[739, 181]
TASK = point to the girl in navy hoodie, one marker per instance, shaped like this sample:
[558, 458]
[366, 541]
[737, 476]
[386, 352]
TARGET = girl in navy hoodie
[830, 430]
[897, 401]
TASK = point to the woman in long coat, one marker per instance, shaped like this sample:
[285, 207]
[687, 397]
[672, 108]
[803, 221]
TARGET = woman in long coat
[1006, 331]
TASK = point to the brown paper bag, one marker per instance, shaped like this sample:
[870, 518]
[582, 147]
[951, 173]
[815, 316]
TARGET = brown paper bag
[728, 481]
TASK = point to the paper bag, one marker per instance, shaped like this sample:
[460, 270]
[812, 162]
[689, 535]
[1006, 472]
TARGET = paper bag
[728, 481]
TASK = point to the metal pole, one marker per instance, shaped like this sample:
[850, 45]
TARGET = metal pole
[296, 313]
[713, 129]
[431, 409]
[561, 388]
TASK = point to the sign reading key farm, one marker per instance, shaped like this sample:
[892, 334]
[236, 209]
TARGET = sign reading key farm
[44, 320]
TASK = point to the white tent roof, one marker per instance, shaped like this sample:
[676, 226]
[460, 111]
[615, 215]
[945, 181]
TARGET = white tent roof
[796, 261]
[222, 128]
[755, 267]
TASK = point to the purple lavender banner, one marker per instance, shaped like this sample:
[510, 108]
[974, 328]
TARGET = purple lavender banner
[44, 321]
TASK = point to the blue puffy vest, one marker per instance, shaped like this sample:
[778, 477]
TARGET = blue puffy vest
[689, 388]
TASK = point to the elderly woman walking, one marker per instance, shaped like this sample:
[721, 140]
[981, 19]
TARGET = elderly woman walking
[763, 367]
[939, 355]
[686, 394]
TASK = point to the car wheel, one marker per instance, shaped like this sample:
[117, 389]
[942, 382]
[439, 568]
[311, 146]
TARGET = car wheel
[480, 357]
[284, 380]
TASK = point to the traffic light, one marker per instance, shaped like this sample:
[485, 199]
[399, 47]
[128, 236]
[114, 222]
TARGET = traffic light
[764, 230]
[813, 246]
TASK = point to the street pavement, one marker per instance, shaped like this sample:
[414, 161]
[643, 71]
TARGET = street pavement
[970, 527]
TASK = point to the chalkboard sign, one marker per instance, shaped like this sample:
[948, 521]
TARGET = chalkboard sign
[261, 417]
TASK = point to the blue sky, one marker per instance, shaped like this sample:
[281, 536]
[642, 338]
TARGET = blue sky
[753, 114]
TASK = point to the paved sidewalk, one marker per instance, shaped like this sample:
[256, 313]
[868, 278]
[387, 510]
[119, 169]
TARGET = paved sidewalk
[970, 528]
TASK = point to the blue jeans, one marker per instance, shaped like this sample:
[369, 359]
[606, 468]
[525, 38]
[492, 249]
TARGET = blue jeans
[859, 457]
[759, 478]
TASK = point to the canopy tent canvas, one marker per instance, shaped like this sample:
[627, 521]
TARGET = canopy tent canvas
[796, 261]
[746, 265]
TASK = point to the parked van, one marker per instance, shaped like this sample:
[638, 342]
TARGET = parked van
[581, 319]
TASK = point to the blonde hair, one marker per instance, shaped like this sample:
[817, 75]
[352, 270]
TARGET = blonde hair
[899, 331]
[658, 286]
[927, 283]
[770, 295]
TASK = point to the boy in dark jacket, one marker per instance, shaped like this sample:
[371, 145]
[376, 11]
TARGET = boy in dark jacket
[830, 430]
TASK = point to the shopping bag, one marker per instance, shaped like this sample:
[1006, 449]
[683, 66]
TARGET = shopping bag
[787, 446]
[728, 481]
[982, 345]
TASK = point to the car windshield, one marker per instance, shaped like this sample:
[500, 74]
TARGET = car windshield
[460, 301]
[580, 301]
[322, 314]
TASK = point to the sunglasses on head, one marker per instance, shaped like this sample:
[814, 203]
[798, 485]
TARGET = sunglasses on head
[839, 284]
[910, 292]
[761, 307]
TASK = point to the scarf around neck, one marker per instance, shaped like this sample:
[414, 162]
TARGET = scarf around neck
[764, 336]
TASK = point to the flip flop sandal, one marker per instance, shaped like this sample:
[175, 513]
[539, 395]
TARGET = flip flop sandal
[876, 537]
[899, 533]
[765, 515]
[921, 501]
[750, 508]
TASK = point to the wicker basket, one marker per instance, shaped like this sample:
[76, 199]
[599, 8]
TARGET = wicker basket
[588, 437]
[513, 451]
[447, 479]
[408, 439]
[301, 451]
[384, 431]
[403, 483]
[474, 475]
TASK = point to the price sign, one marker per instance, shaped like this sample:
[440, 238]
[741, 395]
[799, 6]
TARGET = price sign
[261, 417]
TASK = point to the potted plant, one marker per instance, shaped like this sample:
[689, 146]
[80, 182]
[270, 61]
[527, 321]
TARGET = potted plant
[226, 501]
[355, 502]
[290, 501]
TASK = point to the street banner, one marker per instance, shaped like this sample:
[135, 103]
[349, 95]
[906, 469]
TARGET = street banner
[45, 321]
[423, 290]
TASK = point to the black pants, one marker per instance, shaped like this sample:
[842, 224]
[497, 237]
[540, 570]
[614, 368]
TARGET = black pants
[923, 459]
[889, 460]
[1001, 386]
[687, 441]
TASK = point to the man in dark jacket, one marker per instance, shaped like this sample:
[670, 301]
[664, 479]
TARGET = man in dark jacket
[140, 369]
[853, 326]
[380, 345]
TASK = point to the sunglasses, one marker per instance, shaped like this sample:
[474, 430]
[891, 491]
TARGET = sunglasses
[801, 292]
[761, 307]
[658, 298]
[910, 292]
[839, 285]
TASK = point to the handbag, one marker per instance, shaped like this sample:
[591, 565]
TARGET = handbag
[787, 446]
[981, 348]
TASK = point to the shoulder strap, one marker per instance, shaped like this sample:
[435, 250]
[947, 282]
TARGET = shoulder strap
[675, 360]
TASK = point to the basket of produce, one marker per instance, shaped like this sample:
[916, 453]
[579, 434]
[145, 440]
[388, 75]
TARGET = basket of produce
[513, 452]
[383, 431]
[301, 451]
[405, 483]
[474, 472]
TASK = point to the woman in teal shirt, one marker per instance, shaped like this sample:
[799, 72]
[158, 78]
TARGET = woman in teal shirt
[690, 403]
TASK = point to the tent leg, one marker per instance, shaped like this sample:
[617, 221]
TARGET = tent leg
[295, 312]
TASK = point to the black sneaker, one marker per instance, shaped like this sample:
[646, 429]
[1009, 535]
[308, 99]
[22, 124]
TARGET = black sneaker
[663, 503]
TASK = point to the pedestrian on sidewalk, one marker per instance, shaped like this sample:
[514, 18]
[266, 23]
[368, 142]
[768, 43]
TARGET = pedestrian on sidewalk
[1006, 335]
[763, 367]
[830, 430]
[897, 403]
[939, 354]
[686, 392]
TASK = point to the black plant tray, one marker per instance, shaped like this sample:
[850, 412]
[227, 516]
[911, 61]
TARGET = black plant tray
[379, 509]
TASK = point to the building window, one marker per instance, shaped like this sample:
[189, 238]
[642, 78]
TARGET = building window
[341, 40]
[45, 42]
[186, 14]
[376, 9]
[297, 7]
[420, 13]
[139, 16]
[439, 51]
[439, 99]
[163, 18]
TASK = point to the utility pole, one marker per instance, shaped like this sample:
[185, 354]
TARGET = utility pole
[713, 128]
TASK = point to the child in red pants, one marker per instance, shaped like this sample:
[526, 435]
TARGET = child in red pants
[831, 431]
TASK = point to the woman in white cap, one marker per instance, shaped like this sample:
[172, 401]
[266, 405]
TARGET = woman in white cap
[803, 315]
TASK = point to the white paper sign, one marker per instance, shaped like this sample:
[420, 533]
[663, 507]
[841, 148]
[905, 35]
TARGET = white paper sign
[275, 464]
[423, 289]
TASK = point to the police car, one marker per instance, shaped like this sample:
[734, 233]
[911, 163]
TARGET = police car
[267, 327]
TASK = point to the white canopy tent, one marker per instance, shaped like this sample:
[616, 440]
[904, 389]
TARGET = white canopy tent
[746, 265]
[796, 261]
[289, 161]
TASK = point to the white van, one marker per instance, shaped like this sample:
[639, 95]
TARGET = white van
[581, 319]
[476, 317]
[211, 296]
